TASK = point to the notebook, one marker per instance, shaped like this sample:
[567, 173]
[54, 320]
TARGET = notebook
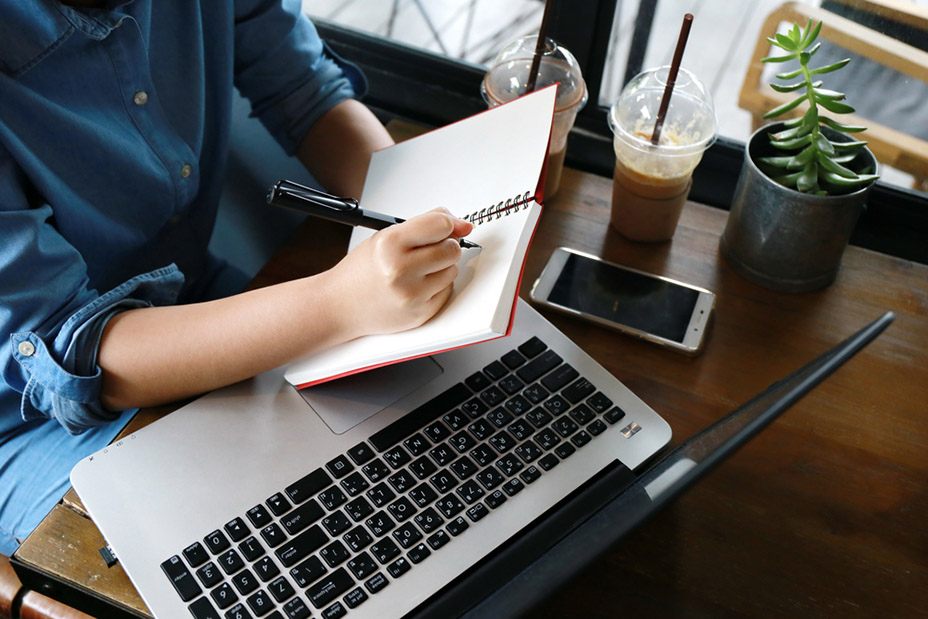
[475, 494]
[487, 169]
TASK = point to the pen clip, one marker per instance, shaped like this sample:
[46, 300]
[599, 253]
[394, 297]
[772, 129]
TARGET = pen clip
[315, 196]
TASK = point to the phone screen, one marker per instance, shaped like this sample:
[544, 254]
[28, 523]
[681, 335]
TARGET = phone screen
[645, 303]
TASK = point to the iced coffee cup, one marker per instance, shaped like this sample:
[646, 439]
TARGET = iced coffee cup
[507, 79]
[651, 182]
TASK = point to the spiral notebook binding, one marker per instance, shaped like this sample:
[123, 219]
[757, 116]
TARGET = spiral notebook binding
[501, 209]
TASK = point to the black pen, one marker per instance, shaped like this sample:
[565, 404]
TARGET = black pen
[326, 206]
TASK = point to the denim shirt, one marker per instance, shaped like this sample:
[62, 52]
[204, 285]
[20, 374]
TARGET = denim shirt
[114, 127]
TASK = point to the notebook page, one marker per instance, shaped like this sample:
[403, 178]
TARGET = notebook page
[466, 166]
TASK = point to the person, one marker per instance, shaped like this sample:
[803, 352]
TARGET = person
[114, 126]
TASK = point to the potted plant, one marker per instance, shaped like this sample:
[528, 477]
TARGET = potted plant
[804, 181]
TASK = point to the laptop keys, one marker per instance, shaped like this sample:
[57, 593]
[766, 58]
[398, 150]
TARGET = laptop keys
[186, 587]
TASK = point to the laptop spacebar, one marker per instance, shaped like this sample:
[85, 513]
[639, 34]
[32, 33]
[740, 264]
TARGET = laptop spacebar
[428, 412]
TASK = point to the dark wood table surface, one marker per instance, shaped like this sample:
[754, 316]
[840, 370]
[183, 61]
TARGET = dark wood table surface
[823, 515]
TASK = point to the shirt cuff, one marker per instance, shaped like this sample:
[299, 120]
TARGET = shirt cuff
[64, 380]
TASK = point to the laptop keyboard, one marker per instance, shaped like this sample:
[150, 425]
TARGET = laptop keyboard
[329, 541]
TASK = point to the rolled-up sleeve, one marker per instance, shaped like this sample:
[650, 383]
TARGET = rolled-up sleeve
[285, 70]
[53, 319]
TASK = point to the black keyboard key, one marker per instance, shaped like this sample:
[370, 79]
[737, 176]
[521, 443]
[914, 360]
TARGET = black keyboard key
[481, 429]
[492, 395]
[429, 520]
[230, 562]
[266, 569]
[422, 495]
[512, 359]
[548, 462]
[381, 494]
[582, 414]
[464, 467]
[532, 347]
[495, 499]
[308, 486]
[361, 453]
[502, 442]
[401, 509]
[437, 431]
[355, 597]
[421, 416]
[209, 575]
[297, 609]
[518, 405]
[597, 427]
[565, 426]
[260, 602]
[559, 377]
[538, 417]
[535, 393]
[195, 554]
[495, 370]
[477, 512]
[380, 524]
[509, 465]
[339, 467]
[376, 582]
[511, 385]
[474, 408]
[401, 481]
[332, 498]
[362, 566]
[490, 478]
[444, 481]
[239, 611]
[384, 550]
[442, 454]
[417, 444]
[335, 611]
[521, 429]
[538, 367]
[578, 390]
[308, 572]
[224, 595]
[565, 450]
[477, 381]
[530, 474]
[470, 491]
[398, 567]
[499, 417]
[422, 467]
[483, 454]
[407, 535]
[303, 516]
[304, 544]
[216, 542]
[396, 457]
[258, 516]
[376, 470]
[513, 487]
[329, 588]
[281, 589]
[358, 538]
[245, 582]
[355, 484]
[335, 554]
[581, 438]
[237, 529]
[419, 553]
[278, 504]
[614, 415]
[449, 505]
[462, 441]
[456, 419]
[273, 535]
[438, 540]
[599, 402]
[556, 405]
[546, 439]
[359, 509]
[457, 526]
[202, 609]
[336, 523]
[186, 587]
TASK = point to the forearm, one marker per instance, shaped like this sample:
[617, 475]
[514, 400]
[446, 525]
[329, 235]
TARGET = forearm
[156, 355]
[337, 149]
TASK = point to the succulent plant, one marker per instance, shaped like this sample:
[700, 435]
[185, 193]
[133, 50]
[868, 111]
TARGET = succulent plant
[812, 163]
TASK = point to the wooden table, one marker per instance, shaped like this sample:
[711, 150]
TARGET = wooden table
[823, 515]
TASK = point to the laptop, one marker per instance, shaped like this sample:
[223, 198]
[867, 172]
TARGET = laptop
[443, 486]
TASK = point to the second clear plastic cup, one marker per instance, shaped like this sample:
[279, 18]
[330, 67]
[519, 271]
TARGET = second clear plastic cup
[506, 80]
[651, 183]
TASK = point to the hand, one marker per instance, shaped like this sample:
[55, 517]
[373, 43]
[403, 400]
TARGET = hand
[401, 276]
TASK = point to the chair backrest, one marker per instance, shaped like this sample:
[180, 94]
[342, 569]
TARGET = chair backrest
[891, 146]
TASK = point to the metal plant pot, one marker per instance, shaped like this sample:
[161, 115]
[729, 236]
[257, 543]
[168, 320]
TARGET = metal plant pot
[781, 238]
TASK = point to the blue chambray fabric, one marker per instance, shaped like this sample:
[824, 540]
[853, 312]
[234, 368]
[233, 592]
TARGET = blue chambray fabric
[114, 130]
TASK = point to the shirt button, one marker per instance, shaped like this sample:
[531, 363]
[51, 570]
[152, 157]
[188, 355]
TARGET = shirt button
[186, 170]
[26, 349]
[140, 98]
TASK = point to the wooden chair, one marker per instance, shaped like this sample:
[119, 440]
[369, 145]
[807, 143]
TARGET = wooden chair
[891, 146]
[19, 603]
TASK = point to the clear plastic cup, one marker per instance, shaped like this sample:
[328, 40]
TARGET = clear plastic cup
[507, 78]
[651, 183]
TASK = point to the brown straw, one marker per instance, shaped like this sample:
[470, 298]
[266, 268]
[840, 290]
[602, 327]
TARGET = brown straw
[539, 48]
[672, 77]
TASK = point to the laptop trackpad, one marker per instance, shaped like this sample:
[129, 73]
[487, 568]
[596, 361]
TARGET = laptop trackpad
[344, 403]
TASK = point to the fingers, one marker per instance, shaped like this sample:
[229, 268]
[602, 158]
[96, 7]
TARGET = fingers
[430, 228]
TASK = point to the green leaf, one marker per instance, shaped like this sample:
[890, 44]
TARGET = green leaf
[780, 109]
[792, 122]
[804, 58]
[830, 68]
[803, 158]
[846, 146]
[788, 180]
[832, 95]
[787, 87]
[810, 118]
[788, 134]
[795, 35]
[812, 35]
[785, 42]
[846, 158]
[806, 30]
[842, 127]
[847, 183]
[808, 178]
[832, 166]
[790, 75]
[776, 162]
[814, 49]
[791, 144]
[823, 145]
[780, 59]
[834, 106]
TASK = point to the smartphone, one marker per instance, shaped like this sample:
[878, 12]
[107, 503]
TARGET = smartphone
[653, 308]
